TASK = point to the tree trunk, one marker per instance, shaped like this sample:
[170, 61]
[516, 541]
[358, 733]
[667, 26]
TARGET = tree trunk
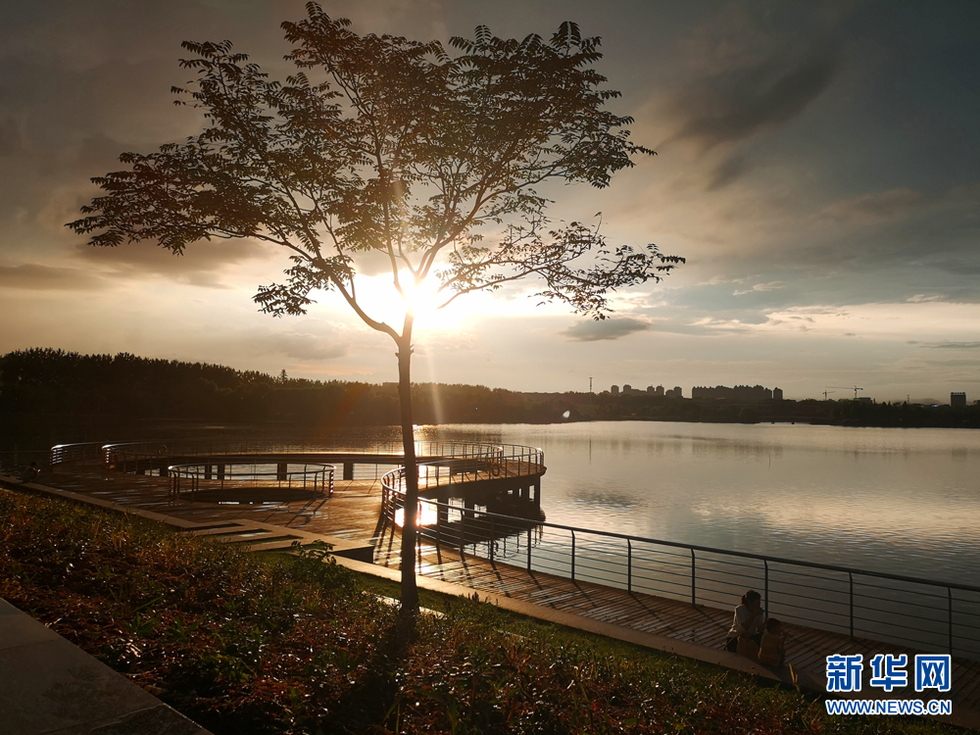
[410, 592]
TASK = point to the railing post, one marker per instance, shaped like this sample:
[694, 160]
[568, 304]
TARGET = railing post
[850, 604]
[629, 565]
[766, 563]
[529, 549]
[462, 533]
[949, 598]
[573, 554]
[438, 527]
[493, 537]
[693, 580]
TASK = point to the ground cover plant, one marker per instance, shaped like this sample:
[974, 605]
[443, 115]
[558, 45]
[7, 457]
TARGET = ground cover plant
[297, 645]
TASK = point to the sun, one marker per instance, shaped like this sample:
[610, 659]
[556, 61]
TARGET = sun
[422, 298]
[384, 302]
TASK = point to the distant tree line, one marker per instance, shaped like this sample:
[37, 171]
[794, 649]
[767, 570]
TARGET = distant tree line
[49, 396]
[65, 396]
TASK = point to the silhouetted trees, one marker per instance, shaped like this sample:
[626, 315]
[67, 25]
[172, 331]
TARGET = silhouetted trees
[49, 396]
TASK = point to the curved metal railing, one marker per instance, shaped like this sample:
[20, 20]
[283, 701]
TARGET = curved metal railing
[315, 477]
[63, 453]
[457, 462]
[127, 453]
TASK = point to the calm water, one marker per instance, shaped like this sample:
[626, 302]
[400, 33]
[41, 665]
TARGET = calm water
[905, 501]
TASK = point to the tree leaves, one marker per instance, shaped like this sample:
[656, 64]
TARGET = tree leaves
[389, 144]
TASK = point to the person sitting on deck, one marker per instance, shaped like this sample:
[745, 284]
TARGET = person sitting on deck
[30, 473]
[747, 624]
[772, 648]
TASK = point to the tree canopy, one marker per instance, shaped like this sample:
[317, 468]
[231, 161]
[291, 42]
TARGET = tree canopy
[434, 157]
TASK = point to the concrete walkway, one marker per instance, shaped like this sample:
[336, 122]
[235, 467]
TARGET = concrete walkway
[48, 685]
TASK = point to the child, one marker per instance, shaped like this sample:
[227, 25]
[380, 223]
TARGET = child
[772, 649]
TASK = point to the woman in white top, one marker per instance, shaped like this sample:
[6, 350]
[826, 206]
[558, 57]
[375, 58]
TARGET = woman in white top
[749, 621]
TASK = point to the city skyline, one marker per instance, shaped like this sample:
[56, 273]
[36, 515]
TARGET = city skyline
[817, 166]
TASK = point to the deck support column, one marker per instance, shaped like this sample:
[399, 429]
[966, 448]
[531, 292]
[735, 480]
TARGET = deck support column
[348, 470]
[281, 471]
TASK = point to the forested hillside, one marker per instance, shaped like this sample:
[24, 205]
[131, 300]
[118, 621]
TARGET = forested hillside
[78, 394]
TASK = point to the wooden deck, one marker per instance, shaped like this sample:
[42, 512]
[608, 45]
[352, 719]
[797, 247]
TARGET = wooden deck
[352, 513]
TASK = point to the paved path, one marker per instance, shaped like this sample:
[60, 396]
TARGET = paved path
[48, 685]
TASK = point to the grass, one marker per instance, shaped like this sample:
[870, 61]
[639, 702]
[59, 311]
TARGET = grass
[301, 645]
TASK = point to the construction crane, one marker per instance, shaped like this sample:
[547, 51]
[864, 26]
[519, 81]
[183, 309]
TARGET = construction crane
[827, 393]
[849, 387]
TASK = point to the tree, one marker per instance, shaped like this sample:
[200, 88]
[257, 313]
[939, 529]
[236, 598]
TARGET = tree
[379, 143]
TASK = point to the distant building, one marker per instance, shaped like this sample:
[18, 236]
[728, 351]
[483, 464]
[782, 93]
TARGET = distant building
[614, 390]
[627, 388]
[777, 394]
[659, 391]
[957, 399]
[675, 392]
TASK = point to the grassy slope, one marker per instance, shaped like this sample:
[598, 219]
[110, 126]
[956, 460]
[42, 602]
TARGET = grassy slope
[296, 645]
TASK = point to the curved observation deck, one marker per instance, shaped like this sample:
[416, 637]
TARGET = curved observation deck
[499, 476]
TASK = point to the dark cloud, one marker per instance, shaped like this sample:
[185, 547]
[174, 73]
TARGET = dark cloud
[736, 104]
[44, 278]
[732, 168]
[594, 331]
[11, 136]
[879, 207]
[956, 346]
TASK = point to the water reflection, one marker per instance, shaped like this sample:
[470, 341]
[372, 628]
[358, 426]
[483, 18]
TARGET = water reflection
[894, 500]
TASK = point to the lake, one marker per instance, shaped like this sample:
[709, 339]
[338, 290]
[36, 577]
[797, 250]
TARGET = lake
[905, 501]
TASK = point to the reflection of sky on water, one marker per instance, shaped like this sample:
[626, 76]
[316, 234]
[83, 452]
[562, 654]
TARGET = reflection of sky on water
[899, 500]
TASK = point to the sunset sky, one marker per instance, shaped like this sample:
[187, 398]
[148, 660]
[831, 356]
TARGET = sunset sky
[818, 166]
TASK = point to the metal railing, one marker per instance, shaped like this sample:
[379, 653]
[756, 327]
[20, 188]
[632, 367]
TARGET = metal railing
[130, 454]
[62, 453]
[929, 615]
[450, 463]
[193, 478]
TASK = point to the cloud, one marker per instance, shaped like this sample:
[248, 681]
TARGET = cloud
[595, 331]
[202, 264]
[711, 324]
[956, 346]
[734, 105]
[34, 277]
[877, 207]
[762, 287]
[11, 136]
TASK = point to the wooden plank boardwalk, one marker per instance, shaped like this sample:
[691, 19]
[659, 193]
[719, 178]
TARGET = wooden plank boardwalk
[352, 513]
